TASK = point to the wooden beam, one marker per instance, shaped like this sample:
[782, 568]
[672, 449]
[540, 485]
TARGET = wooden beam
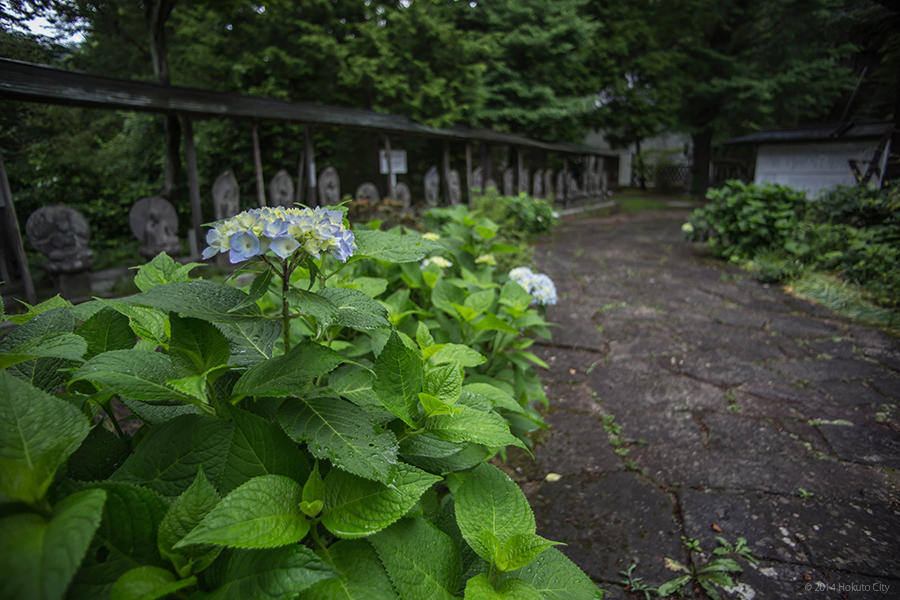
[11, 225]
[190, 159]
[257, 163]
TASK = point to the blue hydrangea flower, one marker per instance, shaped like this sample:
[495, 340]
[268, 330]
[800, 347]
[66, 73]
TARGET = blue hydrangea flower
[244, 245]
[538, 285]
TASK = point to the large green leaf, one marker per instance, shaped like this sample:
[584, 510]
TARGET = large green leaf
[355, 385]
[399, 376]
[68, 346]
[38, 432]
[137, 374]
[445, 295]
[338, 431]
[43, 373]
[56, 301]
[440, 456]
[421, 560]
[360, 575]
[38, 557]
[464, 355]
[557, 578]
[199, 299]
[289, 373]
[98, 456]
[444, 382]
[106, 330]
[196, 346]
[148, 583]
[356, 507]
[147, 323]
[250, 342]
[498, 398]
[184, 514]
[480, 588]
[355, 310]
[262, 513]
[162, 269]
[467, 424]
[276, 574]
[392, 247]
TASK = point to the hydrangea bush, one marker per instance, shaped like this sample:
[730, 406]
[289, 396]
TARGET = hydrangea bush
[324, 433]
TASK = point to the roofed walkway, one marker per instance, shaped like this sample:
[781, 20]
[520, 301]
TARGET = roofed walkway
[743, 412]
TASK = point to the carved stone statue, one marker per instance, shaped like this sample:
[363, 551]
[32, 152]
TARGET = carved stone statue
[508, 187]
[61, 233]
[329, 187]
[402, 195]
[490, 184]
[154, 222]
[477, 182]
[523, 180]
[369, 193]
[226, 196]
[548, 183]
[453, 187]
[561, 186]
[281, 189]
[537, 185]
[432, 187]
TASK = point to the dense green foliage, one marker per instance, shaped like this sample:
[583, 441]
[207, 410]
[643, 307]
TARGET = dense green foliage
[344, 459]
[854, 231]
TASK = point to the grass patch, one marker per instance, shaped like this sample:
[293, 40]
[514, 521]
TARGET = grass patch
[844, 298]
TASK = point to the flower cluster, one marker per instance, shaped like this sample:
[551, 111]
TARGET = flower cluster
[281, 230]
[540, 286]
[439, 261]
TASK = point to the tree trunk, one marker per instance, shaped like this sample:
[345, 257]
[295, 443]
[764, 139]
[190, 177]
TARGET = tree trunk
[702, 155]
[156, 13]
[641, 170]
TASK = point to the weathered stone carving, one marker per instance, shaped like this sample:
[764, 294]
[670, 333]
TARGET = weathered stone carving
[329, 187]
[402, 195]
[561, 186]
[61, 233]
[537, 185]
[477, 182]
[490, 184]
[281, 189]
[226, 196]
[432, 187]
[154, 223]
[508, 177]
[369, 193]
[523, 180]
[548, 183]
[454, 191]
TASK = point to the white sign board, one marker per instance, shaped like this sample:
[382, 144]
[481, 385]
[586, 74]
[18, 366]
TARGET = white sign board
[398, 162]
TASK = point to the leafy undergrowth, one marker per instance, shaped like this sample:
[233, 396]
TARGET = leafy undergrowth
[844, 298]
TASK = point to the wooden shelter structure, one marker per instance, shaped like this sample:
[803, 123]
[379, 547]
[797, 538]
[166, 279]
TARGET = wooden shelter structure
[29, 82]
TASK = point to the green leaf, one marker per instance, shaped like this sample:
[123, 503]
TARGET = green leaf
[480, 588]
[147, 323]
[137, 374]
[490, 510]
[68, 346]
[356, 507]
[262, 513]
[147, 583]
[398, 378]
[464, 355]
[250, 342]
[481, 302]
[196, 346]
[56, 301]
[423, 336]
[184, 514]
[370, 286]
[520, 549]
[199, 299]
[98, 456]
[361, 576]
[444, 382]
[391, 247]
[497, 397]
[288, 374]
[106, 330]
[313, 305]
[313, 494]
[491, 322]
[38, 557]
[515, 296]
[421, 560]
[445, 295]
[162, 269]
[355, 310]
[467, 424]
[339, 432]
[38, 432]
[670, 587]
[434, 405]
[277, 574]
[356, 386]
[43, 373]
[556, 577]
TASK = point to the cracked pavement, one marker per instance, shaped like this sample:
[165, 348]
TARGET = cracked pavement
[688, 399]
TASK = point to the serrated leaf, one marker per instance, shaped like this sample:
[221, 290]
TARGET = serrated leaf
[421, 560]
[157, 414]
[250, 342]
[101, 453]
[67, 346]
[497, 397]
[398, 378]
[360, 575]
[433, 405]
[355, 385]
[355, 310]
[520, 549]
[339, 432]
[439, 456]
[445, 295]
[313, 305]
[556, 577]
[147, 583]
[261, 513]
[423, 337]
[314, 488]
[515, 296]
[444, 382]
[276, 574]
[43, 373]
[481, 301]
[56, 301]
[480, 588]
[106, 330]
[491, 322]
[490, 510]
[38, 557]
[38, 432]
[444, 353]
[184, 514]
[391, 247]
[672, 586]
[289, 373]
[356, 507]
[370, 286]
[467, 424]
[162, 269]
[196, 346]
[199, 299]
[137, 374]
[147, 323]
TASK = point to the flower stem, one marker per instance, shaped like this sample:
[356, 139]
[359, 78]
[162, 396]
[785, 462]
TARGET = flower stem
[285, 313]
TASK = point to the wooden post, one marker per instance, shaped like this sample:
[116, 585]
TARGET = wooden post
[520, 165]
[446, 174]
[190, 160]
[485, 166]
[390, 167]
[309, 151]
[11, 224]
[469, 172]
[565, 186]
[257, 161]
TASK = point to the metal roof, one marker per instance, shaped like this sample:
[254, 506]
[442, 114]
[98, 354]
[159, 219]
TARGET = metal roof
[40, 83]
[823, 132]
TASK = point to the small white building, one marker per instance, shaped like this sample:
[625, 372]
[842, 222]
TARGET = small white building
[820, 157]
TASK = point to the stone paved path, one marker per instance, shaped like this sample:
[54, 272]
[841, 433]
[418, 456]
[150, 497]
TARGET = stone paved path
[730, 397]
